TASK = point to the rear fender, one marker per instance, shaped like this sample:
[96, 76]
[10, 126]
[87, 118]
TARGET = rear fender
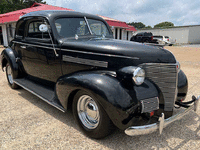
[8, 56]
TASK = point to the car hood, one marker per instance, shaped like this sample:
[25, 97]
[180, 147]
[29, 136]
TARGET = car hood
[115, 48]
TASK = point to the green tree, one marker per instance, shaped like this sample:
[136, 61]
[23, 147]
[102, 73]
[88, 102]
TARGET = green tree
[137, 25]
[164, 25]
[13, 5]
[29, 3]
[148, 27]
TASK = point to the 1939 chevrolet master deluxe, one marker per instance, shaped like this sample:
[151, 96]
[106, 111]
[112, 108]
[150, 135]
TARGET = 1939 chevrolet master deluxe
[70, 60]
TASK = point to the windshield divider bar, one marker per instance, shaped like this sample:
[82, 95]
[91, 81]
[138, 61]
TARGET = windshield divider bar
[51, 40]
[88, 25]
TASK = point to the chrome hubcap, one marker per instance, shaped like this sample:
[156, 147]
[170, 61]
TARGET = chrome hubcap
[9, 74]
[88, 112]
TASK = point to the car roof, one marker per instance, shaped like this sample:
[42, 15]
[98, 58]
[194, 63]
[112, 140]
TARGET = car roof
[58, 13]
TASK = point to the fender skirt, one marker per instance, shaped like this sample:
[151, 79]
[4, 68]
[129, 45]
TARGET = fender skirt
[110, 93]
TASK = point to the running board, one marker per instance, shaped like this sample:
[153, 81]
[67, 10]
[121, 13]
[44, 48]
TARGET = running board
[43, 92]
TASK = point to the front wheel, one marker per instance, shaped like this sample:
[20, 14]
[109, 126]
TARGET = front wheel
[9, 75]
[90, 116]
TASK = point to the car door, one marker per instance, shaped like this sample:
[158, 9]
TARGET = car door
[39, 59]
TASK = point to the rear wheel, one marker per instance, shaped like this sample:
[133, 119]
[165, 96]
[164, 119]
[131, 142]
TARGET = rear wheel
[9, 75]
[90, 116]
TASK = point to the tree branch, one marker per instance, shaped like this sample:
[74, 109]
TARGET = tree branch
[8, 1]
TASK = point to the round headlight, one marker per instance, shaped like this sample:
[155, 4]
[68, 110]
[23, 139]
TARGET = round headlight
[138, 76]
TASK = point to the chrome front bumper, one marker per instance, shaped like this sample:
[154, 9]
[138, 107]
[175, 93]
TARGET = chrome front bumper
[162, 123]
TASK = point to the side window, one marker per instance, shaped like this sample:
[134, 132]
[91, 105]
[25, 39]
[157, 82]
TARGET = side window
[20, 29]
[139, 34]
[147, 34]
[34, 32]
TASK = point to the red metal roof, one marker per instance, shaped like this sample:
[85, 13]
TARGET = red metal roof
[107, 18]
[131, 28]
[121, 24]
[117, 23]
[114, 22]
[14, 16]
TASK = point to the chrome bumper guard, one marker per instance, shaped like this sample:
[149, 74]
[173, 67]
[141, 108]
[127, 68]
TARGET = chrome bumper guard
[162, 123]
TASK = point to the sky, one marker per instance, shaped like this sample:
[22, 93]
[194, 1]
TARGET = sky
[149, 12]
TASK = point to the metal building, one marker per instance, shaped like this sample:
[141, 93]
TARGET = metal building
[182, 34]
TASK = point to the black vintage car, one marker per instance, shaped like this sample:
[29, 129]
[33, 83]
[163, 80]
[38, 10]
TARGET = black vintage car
[70, 60]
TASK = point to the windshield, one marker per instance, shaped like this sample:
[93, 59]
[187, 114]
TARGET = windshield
[72, 27]
[98, 27]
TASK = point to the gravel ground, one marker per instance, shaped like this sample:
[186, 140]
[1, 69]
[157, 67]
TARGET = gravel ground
[26, 122]
[191, 45]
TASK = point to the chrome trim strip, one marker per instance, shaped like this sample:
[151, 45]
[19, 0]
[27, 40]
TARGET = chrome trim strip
[162, 123]
[100, 54]
[76, 51]
[89, 62]
[176, 90]
[164, 64]
[35, 45]
[39, 96]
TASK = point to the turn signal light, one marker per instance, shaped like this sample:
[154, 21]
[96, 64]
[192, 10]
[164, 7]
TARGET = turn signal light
[152, 113]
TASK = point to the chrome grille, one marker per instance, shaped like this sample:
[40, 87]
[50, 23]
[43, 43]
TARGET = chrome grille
[165, 77]
[148, 105]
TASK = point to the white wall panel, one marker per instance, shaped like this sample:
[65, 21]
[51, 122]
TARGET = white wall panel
[180, 34]
[194, 35]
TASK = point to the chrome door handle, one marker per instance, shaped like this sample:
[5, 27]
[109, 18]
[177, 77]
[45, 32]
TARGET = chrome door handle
[24, 47]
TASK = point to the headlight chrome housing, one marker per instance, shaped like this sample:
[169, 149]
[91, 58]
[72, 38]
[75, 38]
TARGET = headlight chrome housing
[132, 73]
[178, 66]
[138, 76]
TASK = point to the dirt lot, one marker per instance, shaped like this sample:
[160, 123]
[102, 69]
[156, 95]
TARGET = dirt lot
[26, 122]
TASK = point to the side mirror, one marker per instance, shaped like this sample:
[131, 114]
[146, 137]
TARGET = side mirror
[43, 28]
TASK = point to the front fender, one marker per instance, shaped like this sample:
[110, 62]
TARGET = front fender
[110, 93]
[182, 86]
[8, 56]
[107, 87]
